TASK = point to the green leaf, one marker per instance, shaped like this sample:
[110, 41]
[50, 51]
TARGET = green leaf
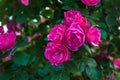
[68, 2]
[21, 18]
[21, 58]
[102, 25]
[90, 62]
[84, 12]
[93, 17]
[110, 20]
[81, 66]
[93, 73]
[21, 76]
[22, 44]
[57, 68]
[45, 70]
[91, 21]
[32, 59]
[69, 68]
[47, 13]
[60, 76]
[47, 77]
[103, 33]
[5, 76]
[67, 7]
[87, 48]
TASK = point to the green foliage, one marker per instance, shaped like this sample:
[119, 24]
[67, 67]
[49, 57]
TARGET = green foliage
[110, 20]
[60, 76]
[103, 33]
[70, 66]
[21, 58]
[29, 63]
[21, 18]
[87, 48]
[44, 71]
[21, 76]
[93, 73]
[90, 62]
[81, 66]
[5, 76]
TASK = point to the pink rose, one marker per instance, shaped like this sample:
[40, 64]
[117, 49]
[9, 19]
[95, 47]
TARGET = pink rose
[93, 36]
[75, 16]
[56, 53]
[90, 2]
[75, 37]
[7, 40]
[83, 22]
[24, 2]
[70, 16]
[57, 33]
[117, 63]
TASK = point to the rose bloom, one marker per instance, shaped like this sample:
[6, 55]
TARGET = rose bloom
[56, 53]
[75, 37]
[93, 36]
[83, 22]
[24, 2]
[90, 2]
[75, 16]
[57, 33]
[7, 40]
[70, 16]
[117, 63]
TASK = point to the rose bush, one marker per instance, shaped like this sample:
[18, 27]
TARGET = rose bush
[59, 39]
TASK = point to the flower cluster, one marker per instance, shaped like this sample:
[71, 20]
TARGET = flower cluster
[71, 35]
